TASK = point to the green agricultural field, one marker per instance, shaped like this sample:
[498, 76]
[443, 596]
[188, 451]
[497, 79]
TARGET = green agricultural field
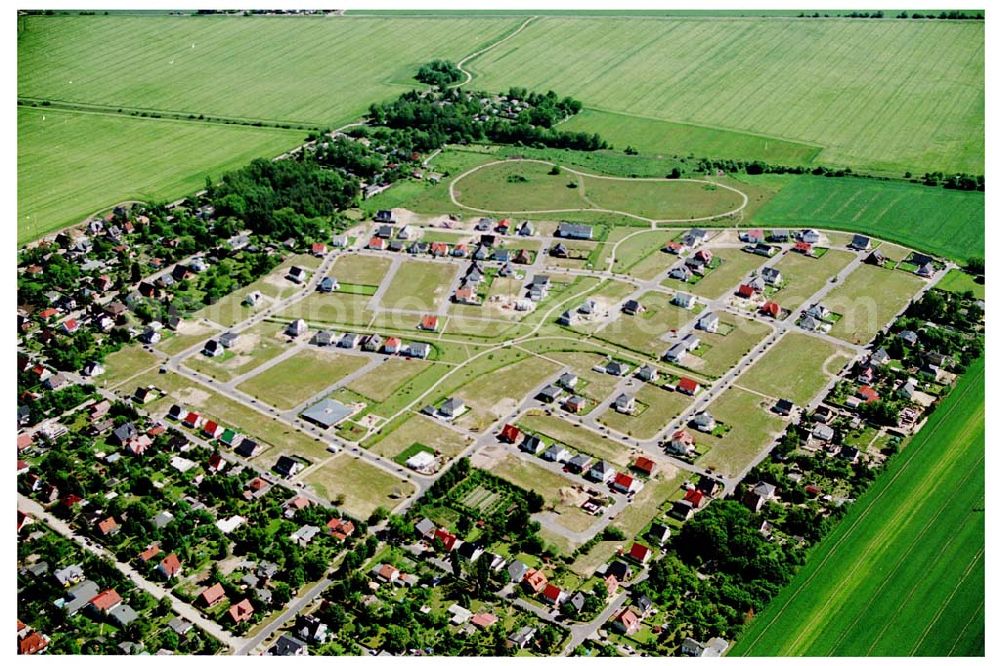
[727, 73]
[295, 380]
[736, 264]
[419, 285]
[796, 368]
[360, 269]
[663, 199]
[421, 430]
[364, 486]
[663, 138]
[959, 281]
[903, 572]
[946, 222]
[751, 428]
[323, 71]
[658, 406]
[869, 299]
[718, 353]
[803, 276]
[73, 164]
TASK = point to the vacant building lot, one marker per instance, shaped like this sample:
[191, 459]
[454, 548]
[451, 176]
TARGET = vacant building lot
[644, 332]
[254, 347]
[385, 380]
[420, 429]
[796, 368]
[126, 363]
[735, 265]
[577, 437]
[751, 427]
[360, 269]
[803, 276]
[419, 285]
[868, 300]
[362, 486]
[334, 308]
[497, 394]
[655, 407]
[303, 376]
[720, 351]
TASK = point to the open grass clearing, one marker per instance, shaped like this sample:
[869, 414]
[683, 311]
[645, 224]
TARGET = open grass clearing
[752, 428]
[644, 332]
[959, 281]
[382, 381]
[868, 300]
[301, 377]
[360, 269]
[902, 573]
[256, 345]
[797, 367]
[496, 395]
[419, 429]
[124, 363]
[658, 406]
[363, 486]
[324, 310]
[188, 334]
[662, 199]
[578, 438]
[722, 352]
[803, 276]
[736, 264]
[648, 501]
[419, 285]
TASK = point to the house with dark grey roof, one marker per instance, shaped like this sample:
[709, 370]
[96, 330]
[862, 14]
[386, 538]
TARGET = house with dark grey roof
[577, 231]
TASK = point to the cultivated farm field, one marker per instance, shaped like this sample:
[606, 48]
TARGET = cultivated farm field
[946, 222]
[73, 164]
[884, 105]
[903, 573]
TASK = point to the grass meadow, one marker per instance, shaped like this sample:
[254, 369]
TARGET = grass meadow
[903, 572]
[796, 368]
[869, 299]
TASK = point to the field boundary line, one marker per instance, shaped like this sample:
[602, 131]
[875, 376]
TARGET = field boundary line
[895, 476]
[962, 633]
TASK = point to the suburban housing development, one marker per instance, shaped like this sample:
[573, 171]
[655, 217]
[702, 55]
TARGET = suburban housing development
[474, 374]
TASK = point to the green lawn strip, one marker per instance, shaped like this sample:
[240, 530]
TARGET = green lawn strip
[301, 377]
[959, 281]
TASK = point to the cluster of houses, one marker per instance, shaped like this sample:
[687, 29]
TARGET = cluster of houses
[213, 431]
[598, 471]
[816, 318]
[371, 342]
[563, 392]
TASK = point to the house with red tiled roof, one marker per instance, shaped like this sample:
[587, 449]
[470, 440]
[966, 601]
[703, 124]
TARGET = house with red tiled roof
[645, 465]
[429, 323]
[192, 419]
[392, 345]
[553, 594]
[150, 553]
[376, 243]
[687, 385]
[319, 249]
[70, 326]
[387, 572]
[241, 611]
[695, 497]
[771, 309]
[138, 446]
[483, 620]
[611, 582]
[534, 580]
[745, 291]
[170, 566]
[868, 394]
[626, 622]
[23, 520]
[439, 249]
[33, 643]
[673, 247]
[510, 433]
[804, 247]
[639, 553]
[294, 504]
[212, 429]
[340, 529]
[22, 467]
[210, 596]
[48, 313]
[625, 483]
[24, 441]
[446, 539]
[106, 601]
[108, 526]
